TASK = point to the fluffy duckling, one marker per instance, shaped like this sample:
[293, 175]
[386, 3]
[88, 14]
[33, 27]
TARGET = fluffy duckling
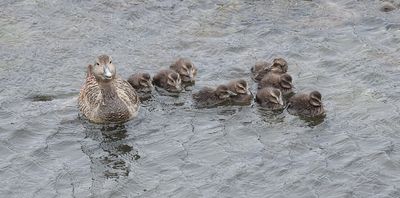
[168, 80]
[261, 68]
[308, 105]
[279, 81]
[105, 97]
[241, 89]
[270, 98]
[141, 82]
[208, 97]
[186, 69]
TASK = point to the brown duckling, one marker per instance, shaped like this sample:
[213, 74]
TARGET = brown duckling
[141, 82]
[168, 80]
[270, 98]
[261, 68]
[308, 105]
[279, 81]
[241, 89]
[208, 97]
[186, 69]
[105, 97]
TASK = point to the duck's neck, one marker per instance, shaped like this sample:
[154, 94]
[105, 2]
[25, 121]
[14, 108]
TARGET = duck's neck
[108, 91]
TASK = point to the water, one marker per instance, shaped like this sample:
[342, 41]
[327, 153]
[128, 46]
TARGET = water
[348, 50]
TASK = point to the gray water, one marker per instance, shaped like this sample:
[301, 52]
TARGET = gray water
[348, 50]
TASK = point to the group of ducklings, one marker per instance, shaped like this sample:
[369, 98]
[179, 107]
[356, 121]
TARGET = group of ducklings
[106, 98]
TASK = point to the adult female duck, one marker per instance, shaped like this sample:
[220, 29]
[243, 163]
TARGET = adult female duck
[105, 97]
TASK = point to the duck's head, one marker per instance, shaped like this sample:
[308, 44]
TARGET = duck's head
[279, 65]
[223, 92]
[286, 81]
[186, 70]
[271, 95]
[174, 82]
[315, 99]
[240, 87]
[103, 69]
[145, 81]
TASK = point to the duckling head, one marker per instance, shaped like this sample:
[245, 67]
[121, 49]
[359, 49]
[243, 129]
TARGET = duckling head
[186, 70]
[145, 81]
[279, 65]
[174, 82]
[223, 92]
[241, 87]
[315, 99]
[271, 95]
[103, 69]
[286, 81]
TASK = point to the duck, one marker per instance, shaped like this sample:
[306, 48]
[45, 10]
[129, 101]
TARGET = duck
[306, 104]
[105, 97]
[241, 90]
[270, 98]
[208, 97]
[169, 80]
[141, 82]
[186, 70]
[261, 68]
[279, 81]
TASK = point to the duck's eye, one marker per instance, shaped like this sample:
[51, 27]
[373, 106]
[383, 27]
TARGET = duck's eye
[97, 64]
[110, 61]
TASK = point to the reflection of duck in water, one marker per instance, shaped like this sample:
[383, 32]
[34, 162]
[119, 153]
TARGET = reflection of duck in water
[105, 97]
[308, 105]
[241, 89]
[112, 155]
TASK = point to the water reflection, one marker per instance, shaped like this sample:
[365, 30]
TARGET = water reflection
[111, 155]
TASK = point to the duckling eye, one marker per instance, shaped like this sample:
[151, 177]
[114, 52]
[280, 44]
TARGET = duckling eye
[97, 64]
[110, 61]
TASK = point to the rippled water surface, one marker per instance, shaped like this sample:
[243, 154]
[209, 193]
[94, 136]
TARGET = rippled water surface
[348, 50]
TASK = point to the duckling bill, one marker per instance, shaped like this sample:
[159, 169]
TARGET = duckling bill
[168, 80]
[105, 97]
[306, 104]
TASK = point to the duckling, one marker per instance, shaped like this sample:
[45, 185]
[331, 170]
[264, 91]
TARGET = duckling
[279, 81]
[168, 80]
[261, 68]
[306, 104]
[270, 98]
[241, 89]
[186, 69]
[105, 97]
[141, 82]
[208, 97]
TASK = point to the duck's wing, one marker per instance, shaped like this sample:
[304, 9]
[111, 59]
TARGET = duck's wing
[127, 93]
[89, 95]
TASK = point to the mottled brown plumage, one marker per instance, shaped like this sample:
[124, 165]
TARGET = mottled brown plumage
[282, 82]
[186, 69]
[241, 89]
[306, 104]
[208, 97]
[105, 97]
[270, 98]
[262, 68]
